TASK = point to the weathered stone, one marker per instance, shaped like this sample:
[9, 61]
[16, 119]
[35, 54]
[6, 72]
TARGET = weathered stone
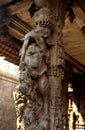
[38, 97]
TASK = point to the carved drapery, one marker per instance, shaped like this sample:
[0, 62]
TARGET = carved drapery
[38, 96]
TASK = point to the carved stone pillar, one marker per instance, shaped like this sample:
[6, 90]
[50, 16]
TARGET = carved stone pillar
[40, 106]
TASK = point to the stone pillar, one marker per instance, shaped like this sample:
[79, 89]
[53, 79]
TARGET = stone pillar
[57, 70]
[39, 95]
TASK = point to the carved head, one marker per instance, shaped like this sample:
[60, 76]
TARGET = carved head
[44, 21]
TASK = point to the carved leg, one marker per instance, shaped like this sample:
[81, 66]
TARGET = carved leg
[44, 90]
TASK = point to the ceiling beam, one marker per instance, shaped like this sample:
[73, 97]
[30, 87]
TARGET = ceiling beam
[82, 4]
[76, 64]
[5, 4]
[80, 15]
[17, 27]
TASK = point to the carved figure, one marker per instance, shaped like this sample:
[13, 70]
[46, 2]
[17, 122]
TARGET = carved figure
[29, 114]
[43, 27]
[34, 83]
[20, 101]
[34, 62]
[33, 79]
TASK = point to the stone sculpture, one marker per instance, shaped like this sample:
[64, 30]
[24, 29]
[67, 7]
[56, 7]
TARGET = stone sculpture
[34, 84]
[20, 101]
[41, 71]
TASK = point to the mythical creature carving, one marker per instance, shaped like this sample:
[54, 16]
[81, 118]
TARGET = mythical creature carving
[34, 84]
[41, 64]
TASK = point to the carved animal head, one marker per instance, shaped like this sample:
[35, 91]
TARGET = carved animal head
[44, 18]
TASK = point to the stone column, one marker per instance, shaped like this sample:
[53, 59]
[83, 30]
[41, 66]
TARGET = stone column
[42, 70]
[57, 70]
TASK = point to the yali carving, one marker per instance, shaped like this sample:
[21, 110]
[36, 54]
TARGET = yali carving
[34, 84]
